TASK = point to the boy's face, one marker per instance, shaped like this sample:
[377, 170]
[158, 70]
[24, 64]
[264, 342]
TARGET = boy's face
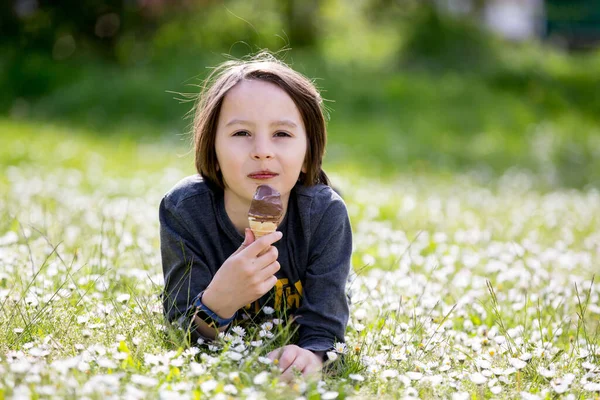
[260, 139]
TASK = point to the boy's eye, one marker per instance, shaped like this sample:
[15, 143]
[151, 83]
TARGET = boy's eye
[246, 133]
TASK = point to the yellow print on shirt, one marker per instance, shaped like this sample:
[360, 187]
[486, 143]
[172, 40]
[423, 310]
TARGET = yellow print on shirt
[285, 295]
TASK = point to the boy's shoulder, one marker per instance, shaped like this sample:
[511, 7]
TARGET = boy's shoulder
[318, 191]
[320, 196]
[321, 210]
[188, 187]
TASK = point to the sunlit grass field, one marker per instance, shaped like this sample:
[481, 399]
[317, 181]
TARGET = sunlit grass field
[464, 288]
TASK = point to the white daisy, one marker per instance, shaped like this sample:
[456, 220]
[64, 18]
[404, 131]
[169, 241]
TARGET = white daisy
[496, 389]
[265, 334]
[358, 327]
[478, 378]
[142, 380]
[592, 387]
[356, 377]
[389, 373]
[235, 356]
[233, 375]
[230, 389]
[197, 369]
[267, 326]
[264, 360]
[237, 340]
[123, 298]
[415, 376]
[461, 396]
[560, 386]
[340, 348]
[516, 363]
[238, 330]
[525, 356]
[209, 386]
[261, 378]
[239, 348]
[546, 373]
[268, 310]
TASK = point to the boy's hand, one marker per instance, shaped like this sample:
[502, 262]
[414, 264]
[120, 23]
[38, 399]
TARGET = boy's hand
[245, 276]
[292, 357]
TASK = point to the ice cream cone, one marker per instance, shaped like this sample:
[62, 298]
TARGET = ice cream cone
[260, 228]
[265, 211]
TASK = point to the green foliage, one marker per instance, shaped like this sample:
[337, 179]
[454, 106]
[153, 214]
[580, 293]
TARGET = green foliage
[440, 43]
[408, 88]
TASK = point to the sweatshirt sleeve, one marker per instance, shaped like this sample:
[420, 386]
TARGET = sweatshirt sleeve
[323, 314]
[186, 273]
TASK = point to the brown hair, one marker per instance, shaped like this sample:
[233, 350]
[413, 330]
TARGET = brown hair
[264, 67]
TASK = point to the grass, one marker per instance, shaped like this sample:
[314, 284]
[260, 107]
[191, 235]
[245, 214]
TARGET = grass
[462, 289]
[527, 106]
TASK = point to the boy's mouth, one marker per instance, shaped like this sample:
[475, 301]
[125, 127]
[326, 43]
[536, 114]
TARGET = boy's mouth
[265, 174]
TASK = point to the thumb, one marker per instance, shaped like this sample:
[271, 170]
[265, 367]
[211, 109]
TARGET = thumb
[248, 240]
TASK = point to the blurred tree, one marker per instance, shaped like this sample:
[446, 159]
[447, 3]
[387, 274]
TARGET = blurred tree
[38, 36]
[436, 34]
[301, 20]
[437, 40]
[574, 24]
[94, 25]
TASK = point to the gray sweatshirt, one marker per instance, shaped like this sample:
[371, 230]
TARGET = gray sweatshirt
[197, 237]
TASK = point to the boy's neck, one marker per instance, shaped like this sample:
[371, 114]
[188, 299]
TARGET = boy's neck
[237, 210]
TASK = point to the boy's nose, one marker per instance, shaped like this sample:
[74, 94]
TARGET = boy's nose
[262, 150]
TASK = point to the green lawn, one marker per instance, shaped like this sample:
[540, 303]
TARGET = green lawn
[533, 109]
[467, 285]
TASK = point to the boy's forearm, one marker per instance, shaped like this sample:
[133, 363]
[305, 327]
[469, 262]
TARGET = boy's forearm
[218, 306]
[320, 354]
[205, 330]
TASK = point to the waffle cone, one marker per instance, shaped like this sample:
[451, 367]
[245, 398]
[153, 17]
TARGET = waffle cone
[260, 228]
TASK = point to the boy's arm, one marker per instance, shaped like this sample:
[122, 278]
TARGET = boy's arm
[323, 314]
[192, 289]
[185, 272]
[206, 331]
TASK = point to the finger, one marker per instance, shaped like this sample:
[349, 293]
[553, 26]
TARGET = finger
[269, 257]
[270, 269]
[254, 249]
[268, 284]
[274, 354]
[312, 368]
[288, 357]
[265, 274]
[248, 240]
[286, 378]
[299, 365]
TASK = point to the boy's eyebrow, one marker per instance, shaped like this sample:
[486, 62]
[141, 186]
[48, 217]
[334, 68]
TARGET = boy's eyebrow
[285, 122]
